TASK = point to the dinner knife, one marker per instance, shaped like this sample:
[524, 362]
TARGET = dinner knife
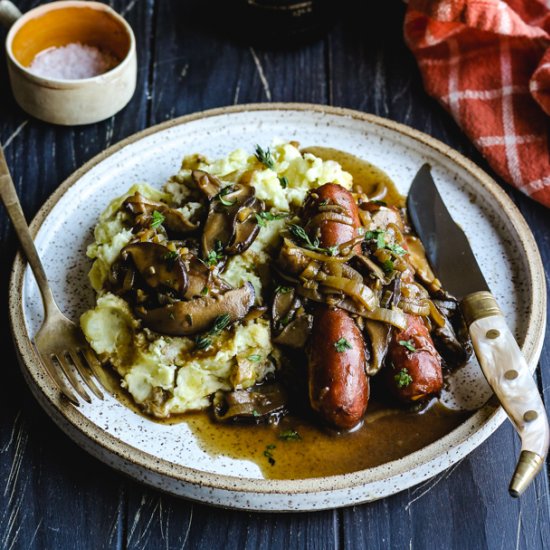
[498, 353]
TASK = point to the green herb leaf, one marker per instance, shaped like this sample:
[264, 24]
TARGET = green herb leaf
[396, 249]
[388, 266]
[290, 435]
[158, 219]
[283, 289]
[342, 345]
[283, 181]
[255, 413]
[256, 358]
[225, 191]
[269, 455]
[171, 256]
[204, 291]
[299, 233]
[220, 323]
[409, 344]
[403, 378]
[262, 217]
[203, 342]
[265, 157]
[171, 315]
[214, 256]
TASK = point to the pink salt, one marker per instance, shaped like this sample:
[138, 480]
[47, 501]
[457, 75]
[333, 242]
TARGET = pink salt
[72, 62]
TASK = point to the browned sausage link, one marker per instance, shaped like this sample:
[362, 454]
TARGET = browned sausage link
[329, 232]
[338, 386]
[414, 372]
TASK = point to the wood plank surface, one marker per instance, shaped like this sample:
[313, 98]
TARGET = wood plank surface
[55, 496]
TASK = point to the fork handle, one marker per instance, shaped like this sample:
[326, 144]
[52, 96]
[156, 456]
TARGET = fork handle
[8, 194]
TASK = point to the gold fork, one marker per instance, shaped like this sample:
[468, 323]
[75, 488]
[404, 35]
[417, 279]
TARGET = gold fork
[60, 344]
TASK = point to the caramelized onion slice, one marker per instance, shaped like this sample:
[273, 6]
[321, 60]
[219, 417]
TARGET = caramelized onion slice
[354, 289]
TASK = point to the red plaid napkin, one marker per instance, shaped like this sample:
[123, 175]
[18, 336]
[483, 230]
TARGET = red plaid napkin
[488, 63]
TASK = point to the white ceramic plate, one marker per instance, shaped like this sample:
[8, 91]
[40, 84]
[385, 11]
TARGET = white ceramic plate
[168, 457]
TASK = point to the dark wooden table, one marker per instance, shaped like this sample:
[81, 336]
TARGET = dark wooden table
[52, 494]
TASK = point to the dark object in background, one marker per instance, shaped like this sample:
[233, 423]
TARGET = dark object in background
[276, 23]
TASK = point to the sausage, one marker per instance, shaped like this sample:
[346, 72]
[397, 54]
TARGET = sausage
[329, 232]
[338, 385]
[414, 371]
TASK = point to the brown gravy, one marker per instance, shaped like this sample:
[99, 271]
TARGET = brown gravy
[388, 432]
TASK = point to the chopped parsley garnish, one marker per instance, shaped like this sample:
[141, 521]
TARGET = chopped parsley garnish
[388, 266]
[171, 315]
[283, 180]
[376, 235]
[299, 233]
[255, 413]
[262, 217]
[285, 320]
[379, 236]
[290, 435]
[225, 191]
[158, 219]
[342, 345]
[269, 455]
[265, 157]
[204, 291]
[220, 323]
[409, 344]
[255, 358]
[283, 289]
[403, 378]
[396, 249]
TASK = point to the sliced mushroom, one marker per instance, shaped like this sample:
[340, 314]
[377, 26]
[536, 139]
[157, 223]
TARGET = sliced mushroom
[296, 333]
[143, 209]
[158, 266]
[245, 226]
[231, 223]
[121, 277]
[379, 337]
[207, 183]
[194, 316]
[255, 405]
[203, 281]
[284, 306]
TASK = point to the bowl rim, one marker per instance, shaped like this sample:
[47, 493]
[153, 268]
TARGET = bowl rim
[59, 83]
[482, 423]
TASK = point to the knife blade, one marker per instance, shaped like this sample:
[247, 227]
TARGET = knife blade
[499, 356]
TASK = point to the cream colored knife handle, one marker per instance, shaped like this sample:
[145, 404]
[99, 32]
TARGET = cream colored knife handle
[508, 375]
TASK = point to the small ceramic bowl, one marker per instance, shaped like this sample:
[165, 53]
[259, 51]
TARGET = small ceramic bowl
[70, 102]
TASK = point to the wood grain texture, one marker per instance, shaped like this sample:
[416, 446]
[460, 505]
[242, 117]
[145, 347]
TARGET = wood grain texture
[52, 494]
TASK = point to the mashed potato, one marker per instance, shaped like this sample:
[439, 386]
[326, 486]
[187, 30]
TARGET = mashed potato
[168, 375]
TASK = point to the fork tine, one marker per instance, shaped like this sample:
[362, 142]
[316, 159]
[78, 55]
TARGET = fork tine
[83, 371]
[95, 366]
[69, 373]
[59, 382]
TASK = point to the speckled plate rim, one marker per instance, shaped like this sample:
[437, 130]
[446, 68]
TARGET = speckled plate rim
[420, 465]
